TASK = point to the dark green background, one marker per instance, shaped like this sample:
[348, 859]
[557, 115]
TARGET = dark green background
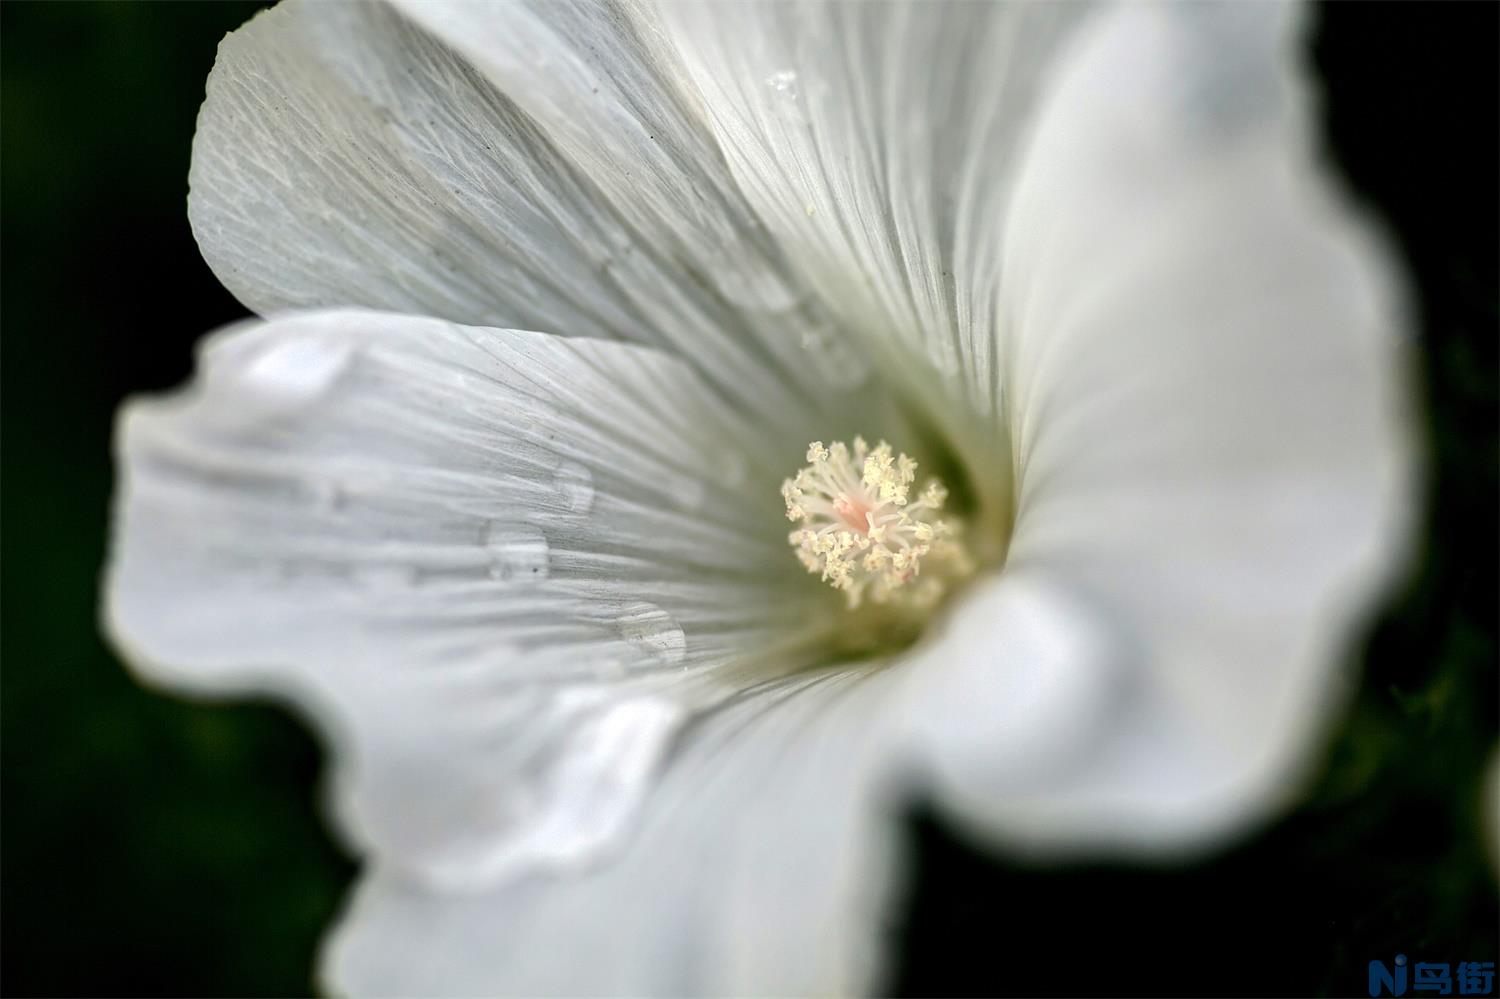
[153, 846]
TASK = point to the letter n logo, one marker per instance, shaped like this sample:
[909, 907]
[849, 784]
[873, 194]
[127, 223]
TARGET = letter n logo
[1384, 981]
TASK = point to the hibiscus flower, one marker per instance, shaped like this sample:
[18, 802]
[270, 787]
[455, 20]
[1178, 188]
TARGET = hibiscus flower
[677, 438]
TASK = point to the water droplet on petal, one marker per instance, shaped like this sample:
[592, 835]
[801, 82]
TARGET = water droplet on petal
[575, 485]
[831, 355]
[651, 630]
[753, 285]
[784, 82]
[518, 553]
[293, 373]
[743, 268]
[786, 96]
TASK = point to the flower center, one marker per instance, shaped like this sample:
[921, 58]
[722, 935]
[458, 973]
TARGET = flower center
[864, 534]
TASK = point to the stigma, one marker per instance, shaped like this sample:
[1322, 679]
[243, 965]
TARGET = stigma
[864, 533]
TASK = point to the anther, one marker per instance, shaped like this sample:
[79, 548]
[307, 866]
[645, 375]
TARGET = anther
[861, 531]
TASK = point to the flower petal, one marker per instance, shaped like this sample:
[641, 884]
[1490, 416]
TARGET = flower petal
[1017, 687]
[500, 565]
[1203, 386]
[601, 81]
[878, 142]
[761, 867]
[345, 156]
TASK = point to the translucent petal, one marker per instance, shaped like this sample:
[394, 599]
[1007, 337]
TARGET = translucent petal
[500, 566]
[762, 867]
[347, 157]
[879, 141]
[1202, 368]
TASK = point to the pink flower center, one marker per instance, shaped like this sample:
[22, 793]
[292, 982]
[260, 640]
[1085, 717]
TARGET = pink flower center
[853, 513]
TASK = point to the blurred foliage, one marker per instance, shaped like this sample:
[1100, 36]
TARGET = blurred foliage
[154, 846]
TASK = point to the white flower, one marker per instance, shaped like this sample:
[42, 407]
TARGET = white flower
[598, 729]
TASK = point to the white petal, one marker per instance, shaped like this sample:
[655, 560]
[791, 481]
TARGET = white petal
[603, 84]
[1017, 686]
[878, 141]
[1202, 377]
[761, 867]
[344, 156]
[499, 565]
